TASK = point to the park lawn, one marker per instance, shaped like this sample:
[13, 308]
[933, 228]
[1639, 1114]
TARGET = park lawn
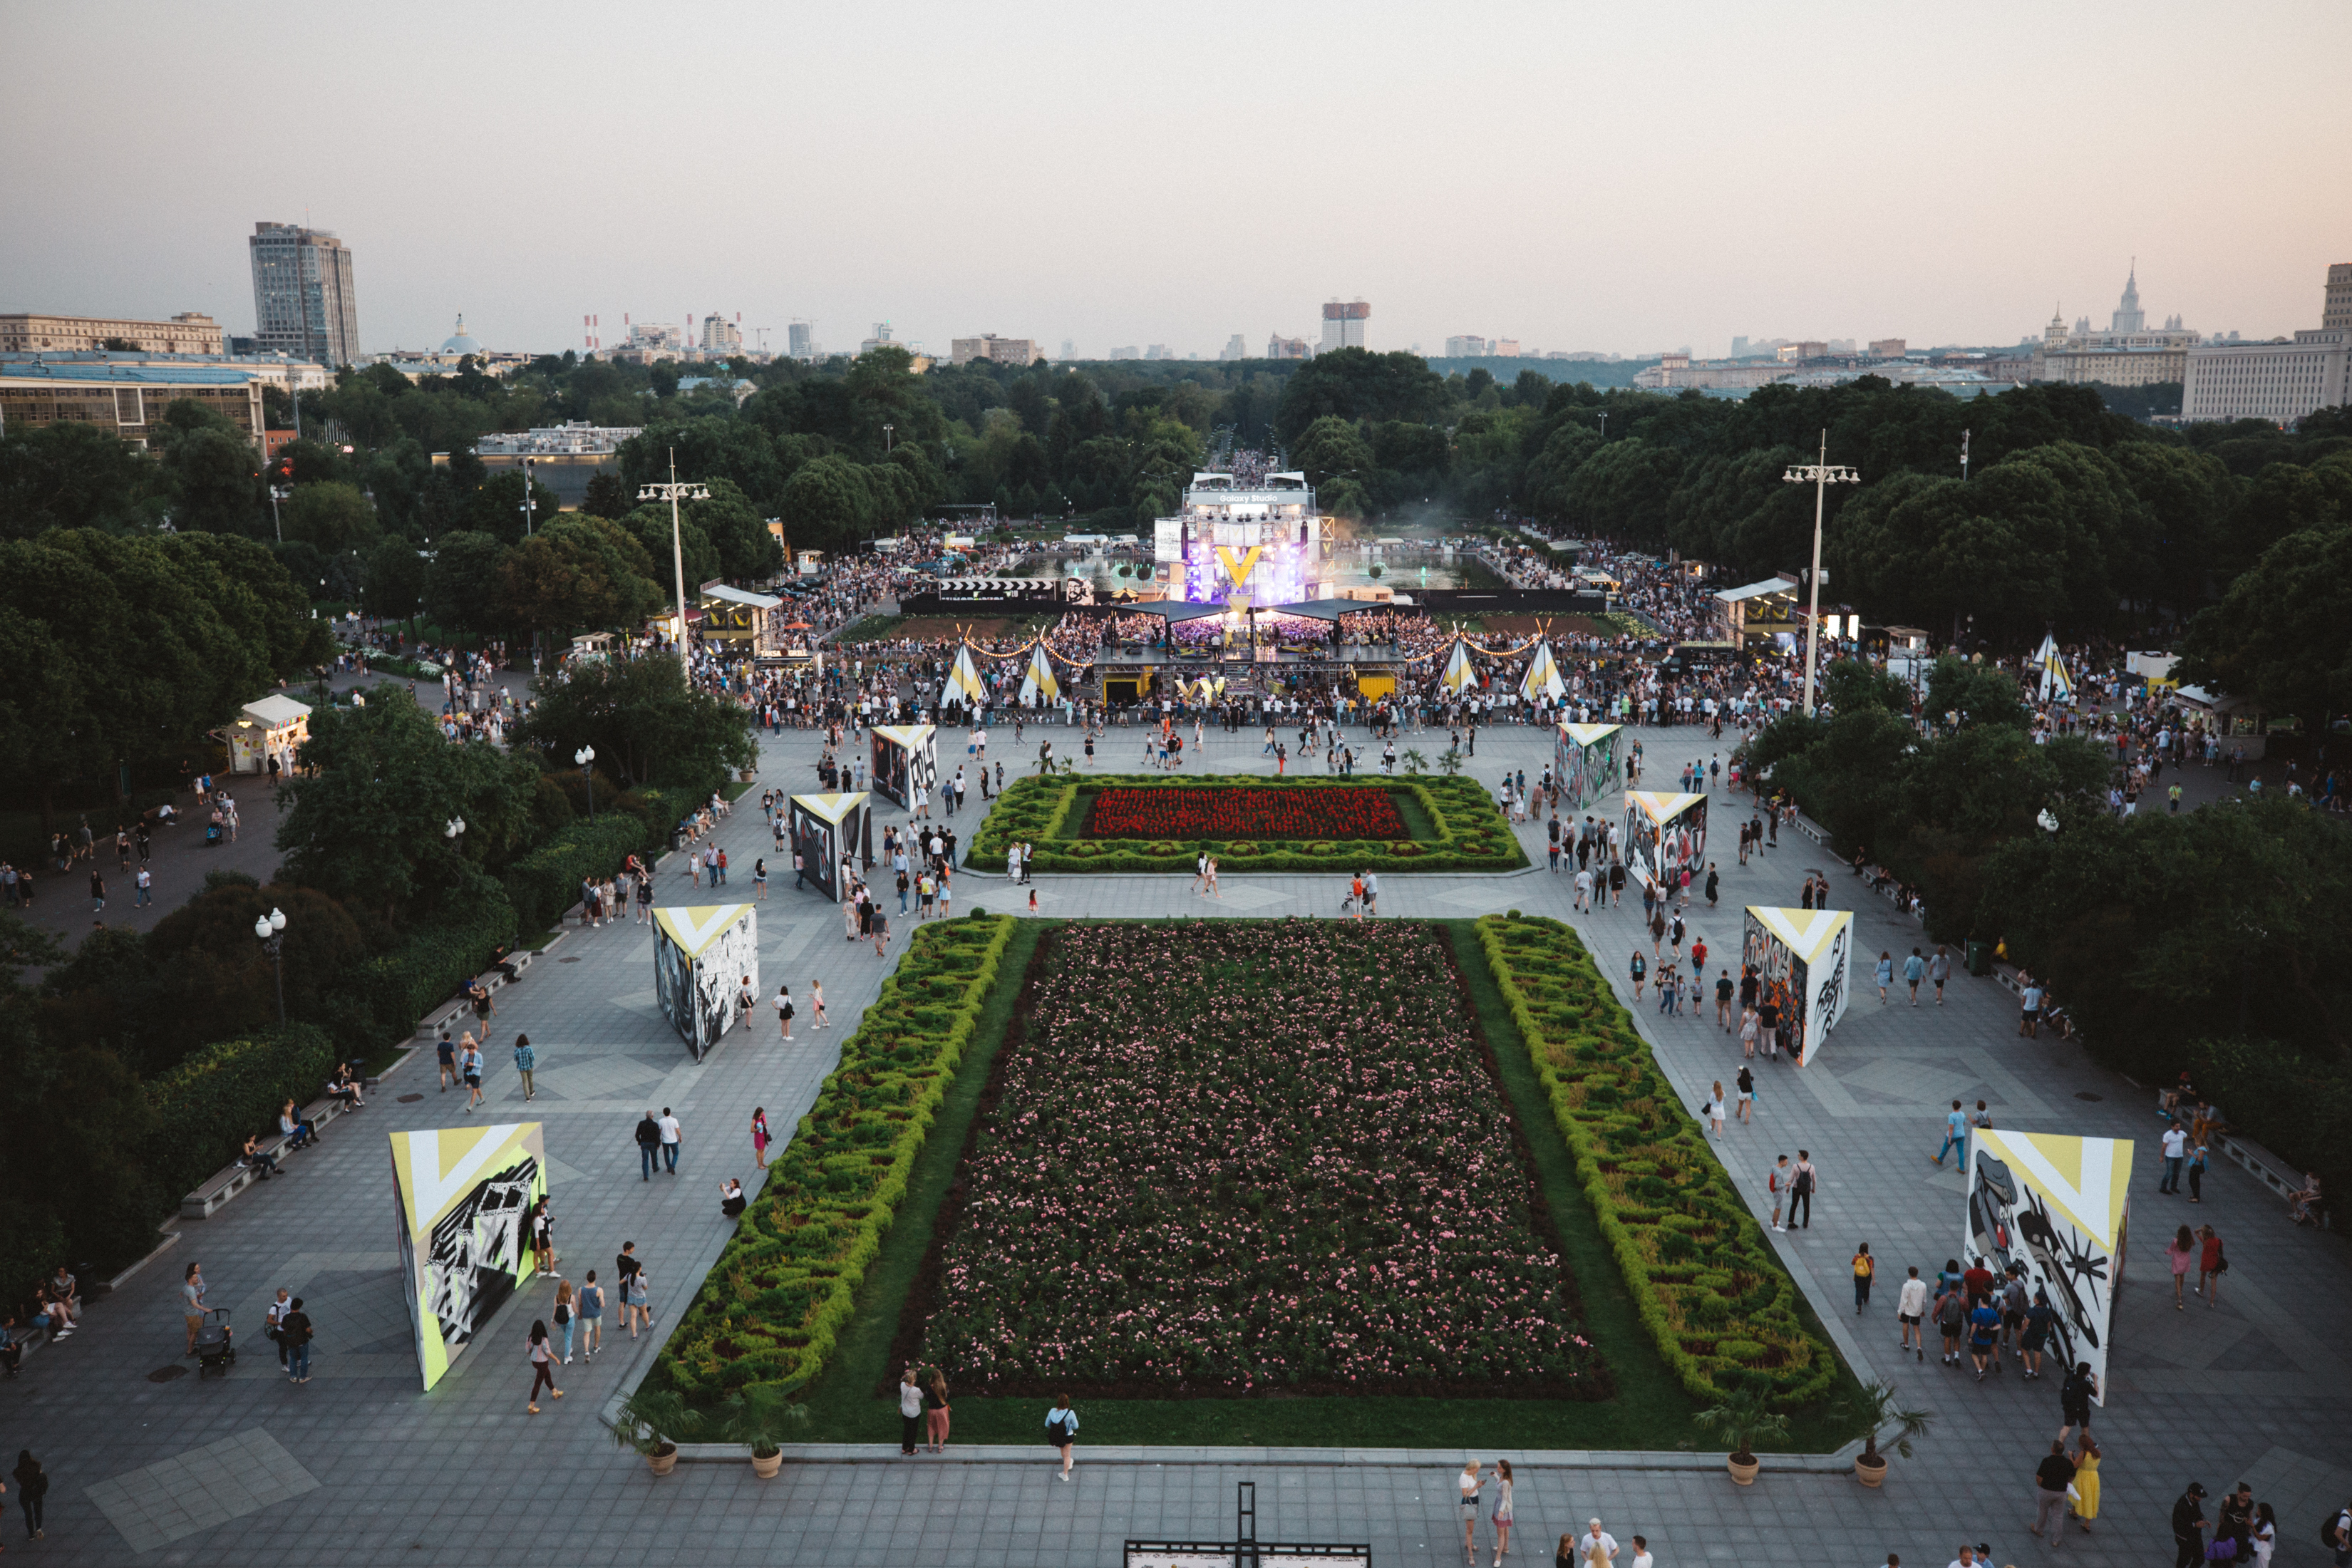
[850, 1400]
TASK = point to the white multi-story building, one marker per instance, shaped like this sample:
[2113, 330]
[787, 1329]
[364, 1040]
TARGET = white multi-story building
[1001, 351]
[800, 340]
[721, 335]
[304, 304]
[2282, 380]
[1234, 349]
[1470, 345]
[1343, 324]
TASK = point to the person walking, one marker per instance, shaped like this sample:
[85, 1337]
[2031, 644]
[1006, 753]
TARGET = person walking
[542, 1238]
[1714, 1109]
[192, 1302]
[1956, 1134]
[670, 1135]
[1951, 1316]
[784, 1009]
[2074, 1396]
[1914, 970]
[2050, 1479]
[816, 1002]
[1886, 975]
[543, 1365]
[1062, 1429]
[2211, 1264]
[648, 1143]
[2040, 1318]
[759, 1139]
[2182, 1251]
[592, 1318]
[910, 1413]
[564, 1319]
[2087, 1482]
[32, 1487]
[634, 1295]
[1940, 969]
[1776, 1183]
[296, 1330]
[1747, 1085]
[1865, 1270]
[1800, 1189]
[1502, 1510]
[2197, 1172]
[1911, 1312]
[1470, 1483]
[469, 1067]
[936, 1410]
[446, 1052]
[524, 1059]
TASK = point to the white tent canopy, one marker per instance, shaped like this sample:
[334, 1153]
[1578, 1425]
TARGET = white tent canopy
[1040, 686]
[1459, 671]
[2055, 682]
[964, 683]
[1542, 678]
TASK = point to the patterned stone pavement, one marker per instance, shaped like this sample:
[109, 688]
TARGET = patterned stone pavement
[358, 1466]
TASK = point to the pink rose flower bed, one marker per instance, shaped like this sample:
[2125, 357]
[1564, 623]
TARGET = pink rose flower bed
[1244, 1155]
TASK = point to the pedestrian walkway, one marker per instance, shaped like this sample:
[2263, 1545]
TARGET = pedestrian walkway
[2249, 1391]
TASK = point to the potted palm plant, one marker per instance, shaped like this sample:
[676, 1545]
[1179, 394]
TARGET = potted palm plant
[763, 1417]
[1871, 1412]
[650, 1421]
[1744, 1416]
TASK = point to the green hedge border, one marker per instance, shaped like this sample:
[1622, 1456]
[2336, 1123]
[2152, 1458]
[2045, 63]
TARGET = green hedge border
[1702, 1275]
[785, 1286]
[205, 1107]
[1471, 833]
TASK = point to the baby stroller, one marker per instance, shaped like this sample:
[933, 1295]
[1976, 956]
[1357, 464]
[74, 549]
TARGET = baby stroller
[215, 1343]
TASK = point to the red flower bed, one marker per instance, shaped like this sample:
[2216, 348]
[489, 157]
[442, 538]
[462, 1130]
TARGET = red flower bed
[1246, 811]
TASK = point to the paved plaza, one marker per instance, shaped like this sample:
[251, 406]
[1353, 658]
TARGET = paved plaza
[358, 1466]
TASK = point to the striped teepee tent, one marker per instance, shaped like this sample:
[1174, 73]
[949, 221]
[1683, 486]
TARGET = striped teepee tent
[2055, 682]
[1039, 687]
[1542, 678]
[1460, 673]
[963, 682]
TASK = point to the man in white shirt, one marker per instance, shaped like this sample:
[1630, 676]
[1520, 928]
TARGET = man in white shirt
[669, 1140]
[2176, 1148]
[277, 1319]
[1372, 894]
[1911, 1308]
[1596, 1548]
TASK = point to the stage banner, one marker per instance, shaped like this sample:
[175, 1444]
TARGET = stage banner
[825, 832]
[1585, 761]
[1804, 961]
[2060, 1207]
[703, 958]
[1664, 833]
[905, 755]
[464, 1197]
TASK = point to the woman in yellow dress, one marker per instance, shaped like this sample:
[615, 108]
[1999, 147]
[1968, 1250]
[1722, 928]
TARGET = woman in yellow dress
[2087, 1482]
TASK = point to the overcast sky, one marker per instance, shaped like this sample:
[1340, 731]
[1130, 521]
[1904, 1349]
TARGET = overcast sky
[1622, 177]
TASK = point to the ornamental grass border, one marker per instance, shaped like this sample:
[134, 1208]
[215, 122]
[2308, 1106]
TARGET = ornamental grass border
[776, 1301]
[1705, 1280]
[1471, 834]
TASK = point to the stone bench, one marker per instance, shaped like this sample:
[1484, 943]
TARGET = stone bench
[2267, 1168]
[217, 1189]
[493, 979]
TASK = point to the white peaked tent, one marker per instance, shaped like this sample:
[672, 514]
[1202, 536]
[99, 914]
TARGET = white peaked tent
[963, 682]
[1039, 687]
[1542, 678]
[2055, 682]
[1459, 671]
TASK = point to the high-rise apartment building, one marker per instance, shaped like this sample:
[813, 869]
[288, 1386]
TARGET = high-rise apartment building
[2282, 380]
[1279, 347]
[1888, 348]
[720, 336]
[1343, 324]
[304, 305]
[800, 340]
[1234, 349]
[1468, 346]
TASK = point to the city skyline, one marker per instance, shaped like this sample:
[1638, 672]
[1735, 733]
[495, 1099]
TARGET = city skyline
[1834, 209]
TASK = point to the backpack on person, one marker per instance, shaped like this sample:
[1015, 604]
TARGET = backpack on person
[2222, 1548]
[2340, 1519]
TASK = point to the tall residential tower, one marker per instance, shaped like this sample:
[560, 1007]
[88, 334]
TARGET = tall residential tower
[303, 302]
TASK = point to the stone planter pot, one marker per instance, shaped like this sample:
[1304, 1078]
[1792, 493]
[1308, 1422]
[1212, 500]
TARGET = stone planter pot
[1743, 1469]
[1869, 1471]
[766, 1469]
[663, 1460]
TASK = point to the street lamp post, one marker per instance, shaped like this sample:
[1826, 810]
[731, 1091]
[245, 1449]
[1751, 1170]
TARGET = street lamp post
[672, 491]
[271, 929]
[583, 756]
[1821, 475]
[527, 498]
[277, 493]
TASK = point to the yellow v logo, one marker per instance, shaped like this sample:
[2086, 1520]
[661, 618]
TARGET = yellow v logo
[1239, 574]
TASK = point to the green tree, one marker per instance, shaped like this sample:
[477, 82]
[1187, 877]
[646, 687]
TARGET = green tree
[1356, 384]
[74, 475]
[496, 508]
[577, 572]
[395, 580]
[461, 586]
[829, 504]
[369, 826]
[330, 515]
[646, 724]
[1331, 449]
[2279, 635]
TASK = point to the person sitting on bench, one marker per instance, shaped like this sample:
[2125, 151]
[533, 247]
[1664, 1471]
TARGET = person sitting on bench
[253, 1158]
[343, 1086]
[2304, 1205]
[299, 1135]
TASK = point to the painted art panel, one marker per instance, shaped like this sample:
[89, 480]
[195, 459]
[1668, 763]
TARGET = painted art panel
[2060, 1207]
[463, 1197]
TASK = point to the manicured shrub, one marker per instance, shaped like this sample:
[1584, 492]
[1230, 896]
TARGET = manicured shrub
[205, 1108]
[403, 984]
[1662, 1199]
[1470, 834]
[785, 1286]
[544, 883]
